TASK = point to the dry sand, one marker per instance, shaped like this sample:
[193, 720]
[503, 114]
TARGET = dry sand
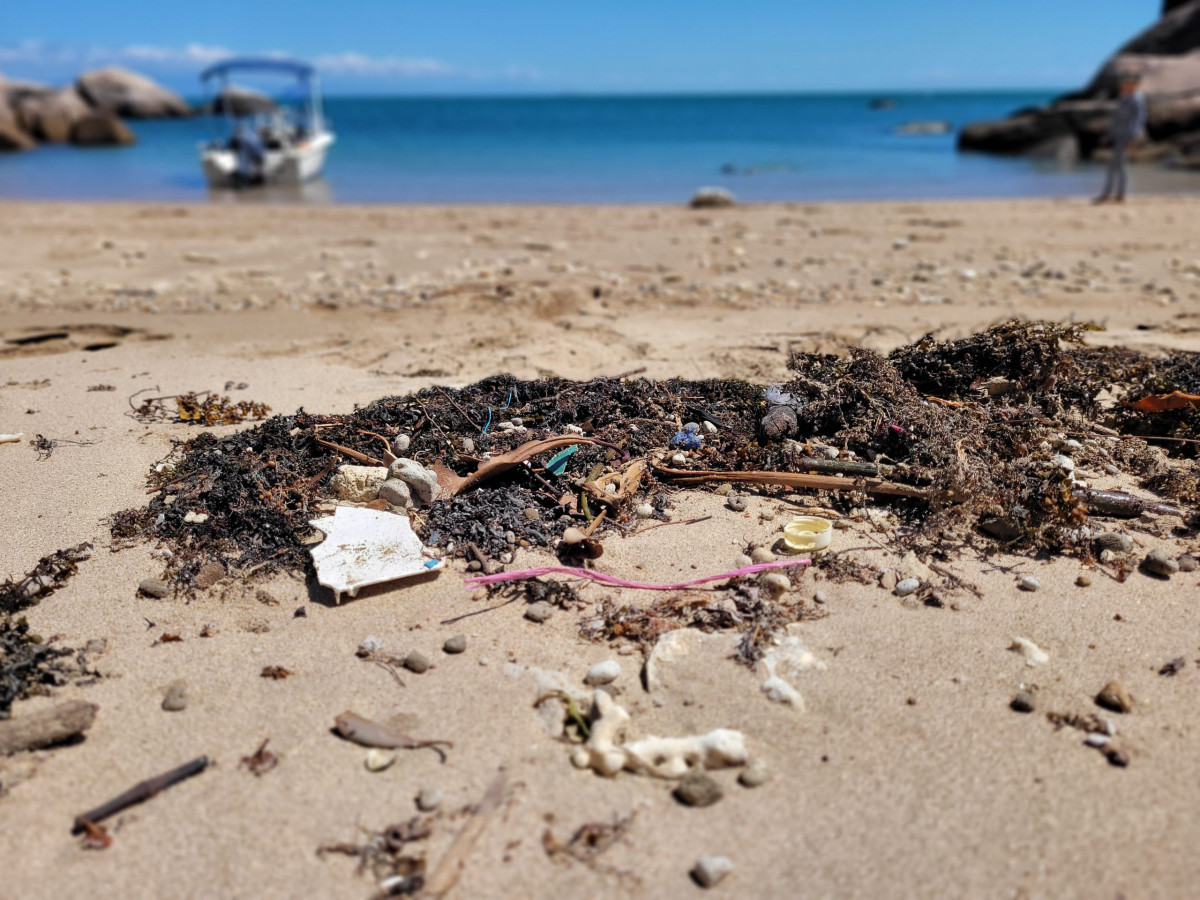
[907, 775]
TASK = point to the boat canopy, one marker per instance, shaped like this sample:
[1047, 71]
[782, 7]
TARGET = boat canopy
[300, 70]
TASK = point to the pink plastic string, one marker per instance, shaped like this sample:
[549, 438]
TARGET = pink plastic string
[525, 574]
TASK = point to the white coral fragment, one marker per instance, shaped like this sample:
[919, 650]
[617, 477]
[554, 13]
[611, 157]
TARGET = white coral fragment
[1034, 655]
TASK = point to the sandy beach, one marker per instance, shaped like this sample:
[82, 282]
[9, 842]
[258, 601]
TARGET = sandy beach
[906, 774]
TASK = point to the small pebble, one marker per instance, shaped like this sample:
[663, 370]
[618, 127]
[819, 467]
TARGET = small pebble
[154, 587]
[210, 573]
[762, 555]
[603, 673]
[1116, 757]
[756, 774]
[369, 646]
[698, 789]
[678, 459]
[1064, 462]
[1095, 739]
[1160, 562]
[737, 502]
[776, 585]
[820, 597]
[710, 871]
[723, 489]
[1029, 583]
[1023, 702]
[573, 536]
[906, 587]
[429, 799]
[888, 580]
[1114, 696]
[468, 445]
[456, 644]
[417, 663]
[646, 511]
[539, 612]
[1187, 563]
[400, 443]
[1115, 541]
[531, 514]
[709, 427]
[1083, 580]
[378, 759]
[176, 699]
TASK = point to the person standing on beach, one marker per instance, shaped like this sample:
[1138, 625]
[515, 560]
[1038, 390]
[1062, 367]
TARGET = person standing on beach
[1128, 122]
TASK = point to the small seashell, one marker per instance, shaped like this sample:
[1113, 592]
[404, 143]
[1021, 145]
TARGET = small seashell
[573, 536]
[379, 759]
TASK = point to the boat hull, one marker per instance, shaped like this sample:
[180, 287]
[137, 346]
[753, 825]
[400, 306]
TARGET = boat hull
[287, 166]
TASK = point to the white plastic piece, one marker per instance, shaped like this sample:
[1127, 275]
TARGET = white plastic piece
[358, 484]
[364, 547]
[807, 533]
[12, 438]
[661, 757]
[1034, 655]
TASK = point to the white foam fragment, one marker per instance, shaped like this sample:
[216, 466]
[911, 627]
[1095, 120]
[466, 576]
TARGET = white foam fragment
[367, 546]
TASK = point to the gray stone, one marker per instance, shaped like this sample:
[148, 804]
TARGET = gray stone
[154, 587]
[401, 443]
[423, 482]
[1187, 563]
[1115, 541]
[396, 492]
[906, 587]
[417, 663]
[1160, 562]
[710, 871]
[456, 644]
[531, 514]
[429, 799]
[603, 673]
[737, 502]
[539, 612]
[176, 699]
[1029, 583]
[698, 789]
[756, 774]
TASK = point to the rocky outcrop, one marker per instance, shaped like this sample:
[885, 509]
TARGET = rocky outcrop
[49, 117]
[1168, 56]
[129, 95]
[13, 138]
[98, 129]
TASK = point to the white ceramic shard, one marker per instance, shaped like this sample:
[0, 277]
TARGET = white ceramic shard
[364, 547]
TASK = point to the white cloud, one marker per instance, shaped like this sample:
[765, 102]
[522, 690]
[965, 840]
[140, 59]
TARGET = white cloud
[346, 64]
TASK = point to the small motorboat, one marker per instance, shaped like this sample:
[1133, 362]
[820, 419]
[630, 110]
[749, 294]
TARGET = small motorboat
[266, 141]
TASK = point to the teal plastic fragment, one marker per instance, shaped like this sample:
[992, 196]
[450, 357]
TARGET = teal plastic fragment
[558, 462]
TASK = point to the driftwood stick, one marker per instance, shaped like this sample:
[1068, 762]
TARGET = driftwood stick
[450, 867]
[46, 728]
[140, 793]
[796, 479]
[839, 467]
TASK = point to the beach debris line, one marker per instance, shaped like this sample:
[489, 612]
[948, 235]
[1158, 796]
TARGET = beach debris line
[139, 793]
[613, 581]
[363, 547]
[206, 408]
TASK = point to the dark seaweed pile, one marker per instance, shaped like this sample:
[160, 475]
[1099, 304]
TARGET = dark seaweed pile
[975, 421]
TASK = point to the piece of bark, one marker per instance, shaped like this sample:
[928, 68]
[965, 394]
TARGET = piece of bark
[46, 728]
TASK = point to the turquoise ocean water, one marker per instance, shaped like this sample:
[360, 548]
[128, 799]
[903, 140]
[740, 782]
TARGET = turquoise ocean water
[589, 150]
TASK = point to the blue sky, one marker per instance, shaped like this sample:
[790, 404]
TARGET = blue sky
[604, 46]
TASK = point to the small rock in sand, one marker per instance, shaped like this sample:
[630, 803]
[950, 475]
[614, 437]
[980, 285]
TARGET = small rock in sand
[539, 612]
[176, 699]
[755, 774]
[1160, 562]
[1115, 541]
[1084, 580]
[736, 502]
[888, 580]
[369, 646]
[429, 799]
[1114, 696]
[1187, 563]
[762, 555]
[417, 663]
[1117, 757]
[456, 644]
[906, 587]
[1023, 702]
[698, 789]
[378, 759]
[154, 587]
[396, 492]
[210, 573]
[645, 511]
[573, 536]
[400, 443]
[710, 871]
[531, 514]
[1029, 583]
[776, 585]
[603, 673]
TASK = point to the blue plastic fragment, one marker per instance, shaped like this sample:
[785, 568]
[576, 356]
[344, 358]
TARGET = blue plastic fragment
[430, 563]
[688, 440]
[558, 463]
